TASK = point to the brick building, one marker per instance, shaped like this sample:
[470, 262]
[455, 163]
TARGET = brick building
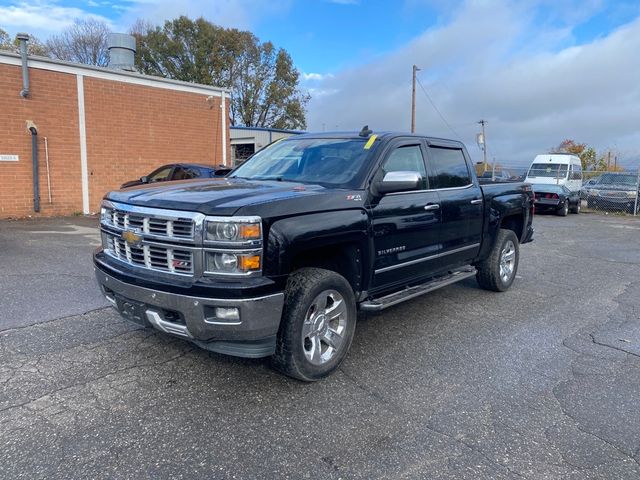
[102, 128]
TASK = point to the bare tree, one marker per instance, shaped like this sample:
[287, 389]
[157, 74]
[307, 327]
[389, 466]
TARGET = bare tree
[83, 42]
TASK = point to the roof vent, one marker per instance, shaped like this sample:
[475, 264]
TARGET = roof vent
[122, 50]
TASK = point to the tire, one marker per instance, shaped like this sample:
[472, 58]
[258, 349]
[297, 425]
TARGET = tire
[303, 345]
[489, 274]
[564, 210]
[577, 207]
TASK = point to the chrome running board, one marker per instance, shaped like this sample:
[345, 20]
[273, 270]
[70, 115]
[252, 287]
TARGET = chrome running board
[377, 304]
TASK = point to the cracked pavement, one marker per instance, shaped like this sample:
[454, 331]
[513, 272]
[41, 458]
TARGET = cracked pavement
[542, 381]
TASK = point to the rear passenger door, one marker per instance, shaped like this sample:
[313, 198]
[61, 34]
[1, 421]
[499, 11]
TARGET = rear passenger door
[461, 202]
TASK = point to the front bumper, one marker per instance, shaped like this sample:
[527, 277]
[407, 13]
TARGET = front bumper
[253, 334]
[612, 202]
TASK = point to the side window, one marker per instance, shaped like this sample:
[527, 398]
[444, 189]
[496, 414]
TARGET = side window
[185, 173]
[406, 159]
[160, 175]
[449, 168]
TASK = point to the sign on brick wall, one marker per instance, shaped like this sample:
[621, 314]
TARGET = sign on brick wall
[9, 158]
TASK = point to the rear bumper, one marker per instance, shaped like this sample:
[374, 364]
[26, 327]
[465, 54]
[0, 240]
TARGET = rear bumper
[544, 203]
[252, 334]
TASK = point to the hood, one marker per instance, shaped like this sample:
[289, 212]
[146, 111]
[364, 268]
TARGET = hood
[613, 186]
[235, 196]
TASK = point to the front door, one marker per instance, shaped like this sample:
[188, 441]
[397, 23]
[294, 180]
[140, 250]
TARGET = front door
[406, 225]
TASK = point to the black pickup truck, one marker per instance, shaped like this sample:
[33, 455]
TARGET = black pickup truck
[277, 258]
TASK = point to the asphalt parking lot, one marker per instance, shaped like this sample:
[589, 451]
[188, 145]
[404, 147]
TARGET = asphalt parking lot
[542, 381]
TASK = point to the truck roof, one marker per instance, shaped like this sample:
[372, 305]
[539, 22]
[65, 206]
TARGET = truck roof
[384, 135]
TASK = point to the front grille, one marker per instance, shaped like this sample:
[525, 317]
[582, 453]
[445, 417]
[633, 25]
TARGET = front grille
[169, 228]
[612, 193]
[163, 258]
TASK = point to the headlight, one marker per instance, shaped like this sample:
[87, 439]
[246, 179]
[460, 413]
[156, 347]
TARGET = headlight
[632, 194]
[238, 230]
[105, 215]
[233, 263]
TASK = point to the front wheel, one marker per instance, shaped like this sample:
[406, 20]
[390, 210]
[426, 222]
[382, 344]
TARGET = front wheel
[318, 323]
[498, 271]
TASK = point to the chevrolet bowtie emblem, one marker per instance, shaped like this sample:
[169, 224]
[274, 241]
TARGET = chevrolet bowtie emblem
[131, 237]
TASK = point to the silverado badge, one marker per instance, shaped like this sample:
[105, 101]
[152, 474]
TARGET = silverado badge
[131, 237]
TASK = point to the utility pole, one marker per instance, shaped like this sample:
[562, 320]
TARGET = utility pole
[484, 146]
[413, 100]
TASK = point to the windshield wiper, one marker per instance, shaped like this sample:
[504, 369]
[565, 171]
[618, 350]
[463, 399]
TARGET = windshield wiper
[277, 178]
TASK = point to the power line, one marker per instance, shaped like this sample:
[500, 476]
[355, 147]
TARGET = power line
[436, 109]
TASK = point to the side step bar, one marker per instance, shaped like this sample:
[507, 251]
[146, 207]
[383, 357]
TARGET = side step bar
[377, 304]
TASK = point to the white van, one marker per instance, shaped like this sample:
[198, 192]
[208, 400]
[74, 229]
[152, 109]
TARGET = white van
[556, 169]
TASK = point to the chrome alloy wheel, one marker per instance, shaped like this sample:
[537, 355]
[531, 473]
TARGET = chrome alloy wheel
[507, 261]
[324, 327]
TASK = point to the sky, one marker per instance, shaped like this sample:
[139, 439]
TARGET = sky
[537, 71]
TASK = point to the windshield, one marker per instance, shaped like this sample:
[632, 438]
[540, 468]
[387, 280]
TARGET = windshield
[552, 170]
[630, 180]
[325, 161]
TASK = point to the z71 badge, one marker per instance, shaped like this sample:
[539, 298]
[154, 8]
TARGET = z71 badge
[355, 197]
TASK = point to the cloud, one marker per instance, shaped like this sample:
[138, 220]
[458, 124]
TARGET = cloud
[46, 17]
[41, 18]
[499, 61]
[317, 77]
[241, 14]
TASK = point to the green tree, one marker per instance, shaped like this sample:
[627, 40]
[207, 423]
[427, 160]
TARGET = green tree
[5, 41]
[34, 46]
[587, 154]
[263, 79]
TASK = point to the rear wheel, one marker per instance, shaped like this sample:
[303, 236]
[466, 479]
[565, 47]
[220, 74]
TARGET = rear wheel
[318, 323]
[564, 209]
[498, 271]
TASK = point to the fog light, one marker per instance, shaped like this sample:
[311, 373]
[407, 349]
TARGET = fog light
[228, 313]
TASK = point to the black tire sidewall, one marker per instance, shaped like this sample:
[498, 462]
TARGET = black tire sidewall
[505, 236]
[297, 303]
[564, 210]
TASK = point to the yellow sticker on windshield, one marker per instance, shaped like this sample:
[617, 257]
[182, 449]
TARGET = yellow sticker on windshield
[372, 139]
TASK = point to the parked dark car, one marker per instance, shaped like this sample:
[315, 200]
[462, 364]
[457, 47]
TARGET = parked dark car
[556, 198]
[586, 186]
[615, 191]
[179, 171]
[499, 176]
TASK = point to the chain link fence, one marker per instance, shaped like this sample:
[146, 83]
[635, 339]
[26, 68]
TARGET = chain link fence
[611, 192]
[607, 192]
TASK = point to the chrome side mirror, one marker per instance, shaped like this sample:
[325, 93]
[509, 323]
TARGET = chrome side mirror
[399, 182]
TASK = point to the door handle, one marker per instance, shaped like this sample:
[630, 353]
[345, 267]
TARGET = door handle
[432, 206]
[477, 201]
